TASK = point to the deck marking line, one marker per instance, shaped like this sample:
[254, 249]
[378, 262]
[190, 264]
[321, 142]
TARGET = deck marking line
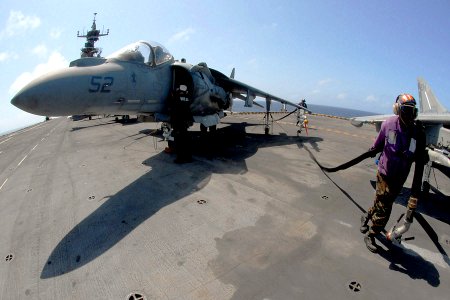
[3, 183]
[34, 147]
[4, 141]
[22, 160]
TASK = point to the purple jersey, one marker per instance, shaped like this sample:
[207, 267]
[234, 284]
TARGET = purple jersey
[398, 146]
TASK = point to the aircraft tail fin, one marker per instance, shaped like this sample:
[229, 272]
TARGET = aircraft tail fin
[428, 101]
[232, 74]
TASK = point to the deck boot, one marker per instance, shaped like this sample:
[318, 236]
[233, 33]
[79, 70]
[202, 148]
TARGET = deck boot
[369, 239]
[364, 220]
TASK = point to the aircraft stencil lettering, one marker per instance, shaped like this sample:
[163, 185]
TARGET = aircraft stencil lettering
[97, 86]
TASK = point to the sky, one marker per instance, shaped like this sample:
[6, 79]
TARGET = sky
[351, 54]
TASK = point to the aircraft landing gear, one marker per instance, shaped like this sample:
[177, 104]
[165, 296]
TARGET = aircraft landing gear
[268, 123]
[426, 179]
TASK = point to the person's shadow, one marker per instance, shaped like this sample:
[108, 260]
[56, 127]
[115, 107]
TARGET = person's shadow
[164, 184]
[401, 259]
[409, 262]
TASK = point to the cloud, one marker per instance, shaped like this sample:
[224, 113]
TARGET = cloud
[18, 24]
[55, 33]
[54, 62]
[324, 82]
[182, 36]
[253, 62]
[342, 96]
[5, 56]
[40, 50]
[371, 99]
[272, 26]
[321, 85]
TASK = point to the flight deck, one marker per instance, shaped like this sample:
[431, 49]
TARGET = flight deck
[97, 209]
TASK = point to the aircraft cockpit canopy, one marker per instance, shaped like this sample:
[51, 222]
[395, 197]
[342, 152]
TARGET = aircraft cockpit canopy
[150, 53]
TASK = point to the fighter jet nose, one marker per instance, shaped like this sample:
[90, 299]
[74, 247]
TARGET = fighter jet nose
[27, 100]
[17, 101]
[23, 101]
[46, 95]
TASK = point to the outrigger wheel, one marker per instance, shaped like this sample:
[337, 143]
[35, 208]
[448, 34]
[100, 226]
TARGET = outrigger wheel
[267, 123]
[266, 117]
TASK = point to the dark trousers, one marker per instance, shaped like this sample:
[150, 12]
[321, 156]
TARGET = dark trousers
[386, 192]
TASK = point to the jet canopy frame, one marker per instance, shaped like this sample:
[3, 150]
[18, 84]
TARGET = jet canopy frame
[148, 52]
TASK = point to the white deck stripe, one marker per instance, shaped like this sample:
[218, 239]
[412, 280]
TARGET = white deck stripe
[22, 160]
[4, 141]
[3, 183]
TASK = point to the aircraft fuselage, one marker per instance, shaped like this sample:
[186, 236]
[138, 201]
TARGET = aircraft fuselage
[112, 87]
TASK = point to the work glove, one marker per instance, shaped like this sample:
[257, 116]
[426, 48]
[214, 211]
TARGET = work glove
[372, 152]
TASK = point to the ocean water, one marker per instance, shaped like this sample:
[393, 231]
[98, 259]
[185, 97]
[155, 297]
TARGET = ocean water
[238, 106]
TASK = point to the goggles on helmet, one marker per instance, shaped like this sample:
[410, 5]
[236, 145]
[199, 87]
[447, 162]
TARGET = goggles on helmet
[408, 111]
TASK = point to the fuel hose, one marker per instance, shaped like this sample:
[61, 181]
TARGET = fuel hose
[358, 159]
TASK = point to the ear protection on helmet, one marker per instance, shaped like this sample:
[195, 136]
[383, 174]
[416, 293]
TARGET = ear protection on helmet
[396, 108]
[416, 112]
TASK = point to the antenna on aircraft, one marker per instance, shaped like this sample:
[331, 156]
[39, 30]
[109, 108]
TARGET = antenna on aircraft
[92, 36]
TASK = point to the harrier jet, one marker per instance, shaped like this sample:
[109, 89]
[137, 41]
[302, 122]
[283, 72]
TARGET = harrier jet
[139, 79]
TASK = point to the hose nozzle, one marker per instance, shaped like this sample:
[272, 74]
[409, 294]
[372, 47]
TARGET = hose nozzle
[396, 232]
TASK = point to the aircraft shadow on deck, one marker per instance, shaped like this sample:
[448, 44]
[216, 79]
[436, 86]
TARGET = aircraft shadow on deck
[76, 128]
[124, 122]
[134, 204]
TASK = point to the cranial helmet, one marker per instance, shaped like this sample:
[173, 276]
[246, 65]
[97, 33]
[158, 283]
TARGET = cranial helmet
[406, 102]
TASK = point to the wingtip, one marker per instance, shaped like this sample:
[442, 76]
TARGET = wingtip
[356, 123]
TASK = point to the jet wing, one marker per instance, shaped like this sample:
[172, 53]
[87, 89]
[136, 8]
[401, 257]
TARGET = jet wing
[246, 92]
[426, 118]
[377, 120]
[442, 118]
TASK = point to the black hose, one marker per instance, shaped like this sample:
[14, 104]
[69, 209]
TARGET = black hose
[286, 115]
[370, 153]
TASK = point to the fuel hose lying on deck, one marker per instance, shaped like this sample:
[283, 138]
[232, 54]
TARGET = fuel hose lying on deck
[370, 153]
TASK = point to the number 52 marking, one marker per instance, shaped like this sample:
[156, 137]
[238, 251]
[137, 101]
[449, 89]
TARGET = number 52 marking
[101, 84]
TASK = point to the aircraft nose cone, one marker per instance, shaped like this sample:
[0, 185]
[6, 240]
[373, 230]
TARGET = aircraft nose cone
[25, 101]
[18, 101]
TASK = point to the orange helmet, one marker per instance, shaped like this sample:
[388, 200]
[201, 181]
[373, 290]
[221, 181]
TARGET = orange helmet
[404, 100]
[405, 107]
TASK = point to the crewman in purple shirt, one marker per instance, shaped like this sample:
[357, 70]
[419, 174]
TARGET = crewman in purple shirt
[401, 141]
